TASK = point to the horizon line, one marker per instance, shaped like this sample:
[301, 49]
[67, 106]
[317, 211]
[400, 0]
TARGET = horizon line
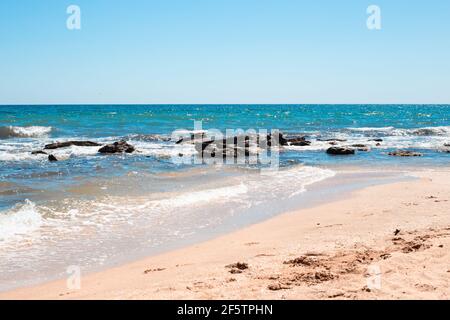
[210, 104]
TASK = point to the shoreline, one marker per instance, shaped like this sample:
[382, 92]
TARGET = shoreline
[357, 227]
[341, 185]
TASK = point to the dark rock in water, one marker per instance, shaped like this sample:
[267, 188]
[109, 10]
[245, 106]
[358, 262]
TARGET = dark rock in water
[193, 138]
[272, 139]
[446, 144]
[340, 151]
[238, 146]
[361, 147]
[38, 152]
[378, 144]
[298, 141]
[405, 153]
[117, 147]
[333, 140]
[201, 146]
[148, 137]
[376, 140]
[333, 143]
[52, 158]
[71, 143]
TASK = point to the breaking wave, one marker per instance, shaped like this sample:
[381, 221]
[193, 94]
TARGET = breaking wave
[19, 220]
[24, 132]
[391, 131]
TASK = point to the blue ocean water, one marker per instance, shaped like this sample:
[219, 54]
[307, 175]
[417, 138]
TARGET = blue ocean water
[26, 128]
[120, 120]
[125, 200]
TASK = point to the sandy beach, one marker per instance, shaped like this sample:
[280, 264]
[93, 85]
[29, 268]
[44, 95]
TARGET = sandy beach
[382, 242]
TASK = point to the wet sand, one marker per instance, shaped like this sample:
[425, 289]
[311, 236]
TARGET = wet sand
[382, 242]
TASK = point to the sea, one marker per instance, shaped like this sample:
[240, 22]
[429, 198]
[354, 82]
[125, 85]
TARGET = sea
[93, 210]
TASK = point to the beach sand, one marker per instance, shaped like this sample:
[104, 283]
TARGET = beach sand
[382, 242]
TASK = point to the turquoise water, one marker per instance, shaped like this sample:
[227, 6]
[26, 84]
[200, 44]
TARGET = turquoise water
[425, 128]
[89, 209]
[104, 121]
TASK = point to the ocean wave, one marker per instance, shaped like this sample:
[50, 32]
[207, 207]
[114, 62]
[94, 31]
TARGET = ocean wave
[24, 132]
[20, 156]
[164, 150]
[431, 131]
[291, 181]
[149, 137]
[20, 220]
[372, 129]
[392, 131]
[247, 190]
[242, 191]
[22, 152]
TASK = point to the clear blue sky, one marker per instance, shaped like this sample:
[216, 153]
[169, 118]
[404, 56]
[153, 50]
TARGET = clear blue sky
[224, 51]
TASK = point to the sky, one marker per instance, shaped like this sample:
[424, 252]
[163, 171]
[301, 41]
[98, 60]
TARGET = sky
[224, 51]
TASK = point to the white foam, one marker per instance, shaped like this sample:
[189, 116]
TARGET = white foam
[209, 195]
[292, 181]
[74, 151]
[372, 129]
[162, 149]
[18, 156]
[24, 132]
[242, 191]
[425, 131]
[20, 220]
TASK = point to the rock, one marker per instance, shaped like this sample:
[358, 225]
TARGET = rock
[298, 141]
[281, 139]
[38, 152]
[376, 140]
[193, 138]
[201, 146]
[149, 137]
[117, 147]
[405, 153]
[446, 144]
[236, 146]
[52, 158]
[71, 143]
[361, 147]
[340, 151]
[396, 232]
[334, 140]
